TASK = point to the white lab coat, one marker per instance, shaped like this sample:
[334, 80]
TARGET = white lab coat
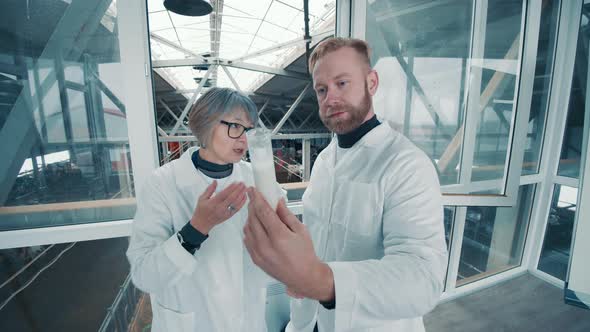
[375, 216]
[217, 289]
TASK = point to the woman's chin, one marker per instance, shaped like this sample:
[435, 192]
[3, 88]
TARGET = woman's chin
[234, 158]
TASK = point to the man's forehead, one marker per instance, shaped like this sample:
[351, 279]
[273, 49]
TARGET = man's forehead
[335, 72]
[330, 64]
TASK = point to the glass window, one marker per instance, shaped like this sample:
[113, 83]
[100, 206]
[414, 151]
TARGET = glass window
[421, 71]
[540, 98]
[63, 123]
[449, 212]
[494, 237]
[496, 98]
[425, 57]
[558, 235]
[571, 149]
[65, 287]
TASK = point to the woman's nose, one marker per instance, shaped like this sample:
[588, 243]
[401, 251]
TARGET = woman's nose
[243, 138]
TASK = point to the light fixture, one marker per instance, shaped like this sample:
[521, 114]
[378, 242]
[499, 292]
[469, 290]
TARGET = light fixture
[189, 7]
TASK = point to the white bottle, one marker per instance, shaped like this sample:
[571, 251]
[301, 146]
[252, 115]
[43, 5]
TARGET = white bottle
[261, 158]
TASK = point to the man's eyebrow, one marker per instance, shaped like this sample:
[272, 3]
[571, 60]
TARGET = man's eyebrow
[342, 75]
[339, 76]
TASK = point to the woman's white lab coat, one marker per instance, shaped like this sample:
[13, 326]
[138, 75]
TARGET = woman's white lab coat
[375, 215]
[217, 289]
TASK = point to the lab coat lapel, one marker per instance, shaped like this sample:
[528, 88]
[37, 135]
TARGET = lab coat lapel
[352, 159]
[187, 177]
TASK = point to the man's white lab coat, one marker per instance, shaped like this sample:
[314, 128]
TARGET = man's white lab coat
[375, 215]
[214, 290]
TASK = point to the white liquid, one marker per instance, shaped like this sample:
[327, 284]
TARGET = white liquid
[265, 180]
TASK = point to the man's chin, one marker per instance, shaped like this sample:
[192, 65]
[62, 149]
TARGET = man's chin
[341, 128]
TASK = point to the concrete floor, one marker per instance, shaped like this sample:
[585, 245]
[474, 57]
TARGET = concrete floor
[522, 304]
[74, 294]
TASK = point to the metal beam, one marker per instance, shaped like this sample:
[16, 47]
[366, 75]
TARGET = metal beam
[267, 120]
[263, 107]
[161, 117]
[271, 49]
[75, 86]
[394, 12]
[192, 100]
[291, 109]
[274, 98]
[177, 47]
[109, 93]
[277, 47]
[171, 113]
[419, 91]
[306, 156]
[408, 103]
[241, 65]
[231, 78]
[88, 25]
[96, 121]
[11, 69]
[65, 104]
[260, 113]
[191, 138]
[162, 132]
[289, 118]
[269, 70]
[305, 120]
[39, 95]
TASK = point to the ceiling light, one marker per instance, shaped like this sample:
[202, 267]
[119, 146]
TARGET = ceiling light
[189, 7]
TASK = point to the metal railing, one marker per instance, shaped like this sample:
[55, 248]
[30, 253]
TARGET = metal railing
[120, 314]
[176, 153]
[288, 167]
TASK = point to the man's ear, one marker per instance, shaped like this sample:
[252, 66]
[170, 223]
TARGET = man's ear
[372, 82]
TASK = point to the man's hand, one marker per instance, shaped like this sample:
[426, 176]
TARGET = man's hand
[281, 245]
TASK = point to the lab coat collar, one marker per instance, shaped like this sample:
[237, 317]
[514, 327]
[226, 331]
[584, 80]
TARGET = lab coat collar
[187, 176]
[373, 138]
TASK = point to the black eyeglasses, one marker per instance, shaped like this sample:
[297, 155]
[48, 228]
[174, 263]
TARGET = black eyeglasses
[235, 130]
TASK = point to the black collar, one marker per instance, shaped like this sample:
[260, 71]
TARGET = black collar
[210, 169]
[346, 141]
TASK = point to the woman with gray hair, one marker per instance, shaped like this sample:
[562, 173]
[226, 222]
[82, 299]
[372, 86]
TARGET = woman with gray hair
[186, 248]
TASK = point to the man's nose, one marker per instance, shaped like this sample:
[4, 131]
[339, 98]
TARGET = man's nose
[332, 97]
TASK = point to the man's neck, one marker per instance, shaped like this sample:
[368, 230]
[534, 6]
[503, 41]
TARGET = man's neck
[347, 140]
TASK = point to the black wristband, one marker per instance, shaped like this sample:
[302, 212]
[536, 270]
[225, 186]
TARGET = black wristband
[191, 249]
[329, 304]
[191, 239]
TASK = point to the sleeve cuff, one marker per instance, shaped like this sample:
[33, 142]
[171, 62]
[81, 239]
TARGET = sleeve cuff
[308, 328]
[184, 261]
[345, 284]
[192, 236]
[329, 305]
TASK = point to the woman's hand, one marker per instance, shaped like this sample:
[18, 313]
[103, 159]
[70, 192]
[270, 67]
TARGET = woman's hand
[212, 209]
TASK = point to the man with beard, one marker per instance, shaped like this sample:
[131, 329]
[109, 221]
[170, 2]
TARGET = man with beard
[371, 254]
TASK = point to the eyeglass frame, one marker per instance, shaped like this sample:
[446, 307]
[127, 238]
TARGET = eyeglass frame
[229, 124]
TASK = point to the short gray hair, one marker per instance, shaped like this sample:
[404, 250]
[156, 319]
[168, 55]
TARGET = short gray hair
[212, 105]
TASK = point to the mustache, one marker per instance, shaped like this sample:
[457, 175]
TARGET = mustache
[338, 108]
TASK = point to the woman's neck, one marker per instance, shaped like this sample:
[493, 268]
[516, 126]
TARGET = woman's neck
[210, 169]
[211, 157]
